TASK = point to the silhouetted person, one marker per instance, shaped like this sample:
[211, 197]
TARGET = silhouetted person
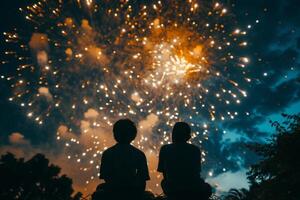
[124, 167]
[180, 163]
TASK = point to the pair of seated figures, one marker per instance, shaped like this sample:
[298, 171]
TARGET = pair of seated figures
[125, 171]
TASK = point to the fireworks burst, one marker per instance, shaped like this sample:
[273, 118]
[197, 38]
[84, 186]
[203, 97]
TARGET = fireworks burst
[89, 63]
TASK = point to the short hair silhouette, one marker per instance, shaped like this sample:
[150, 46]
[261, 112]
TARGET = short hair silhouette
[124, 131]
[181, 132]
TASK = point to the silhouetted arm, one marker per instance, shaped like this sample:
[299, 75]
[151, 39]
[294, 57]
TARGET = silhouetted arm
[105, 168]
[160, 167]
[199, 160]
[143, 173]
[144, 168]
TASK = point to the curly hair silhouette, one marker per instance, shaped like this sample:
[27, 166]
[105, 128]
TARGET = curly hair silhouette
[124, 131]
[181, 132]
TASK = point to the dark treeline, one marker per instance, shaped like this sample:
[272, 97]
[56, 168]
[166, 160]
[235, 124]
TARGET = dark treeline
[275, 177]
[33, 179]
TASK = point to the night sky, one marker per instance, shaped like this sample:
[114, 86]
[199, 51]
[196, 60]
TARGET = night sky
[68, 115]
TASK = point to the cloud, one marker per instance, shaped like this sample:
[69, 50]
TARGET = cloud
[136, 98]
[93, 54]
[225, 181]
[69, 22]
[91, 114]
[42, 57]
[146, 125]
[39, 45]
[64, 133]
[62, 129]
[17, 138]
[85, 25]
[69, 52]
[44, 91]
[38, 41]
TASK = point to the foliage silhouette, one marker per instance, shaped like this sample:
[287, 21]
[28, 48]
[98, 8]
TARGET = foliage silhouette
[235, 194]
[277, 175]
[34, 179]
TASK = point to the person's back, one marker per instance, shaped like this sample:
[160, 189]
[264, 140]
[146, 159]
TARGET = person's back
[123, 167]
[180, 163]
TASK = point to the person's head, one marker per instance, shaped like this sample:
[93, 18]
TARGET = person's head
[124, 131]
[181, 132]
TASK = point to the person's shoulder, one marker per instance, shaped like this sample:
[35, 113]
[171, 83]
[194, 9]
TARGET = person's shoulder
[194, 147]
[109, 150]
[137, 151]
[166, 147]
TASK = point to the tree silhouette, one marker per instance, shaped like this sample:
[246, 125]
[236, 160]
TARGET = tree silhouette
[235, 194]
[34, 179]
[277, 175]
